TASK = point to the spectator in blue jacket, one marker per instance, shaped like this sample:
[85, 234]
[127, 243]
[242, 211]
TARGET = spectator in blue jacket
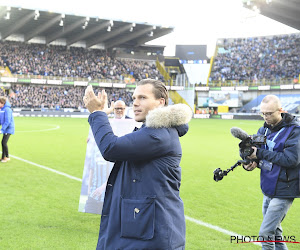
[8, 126]
[142, 207]
[279, 161]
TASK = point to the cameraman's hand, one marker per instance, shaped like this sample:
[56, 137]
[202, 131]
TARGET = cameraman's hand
[250, 166]
[253, 155]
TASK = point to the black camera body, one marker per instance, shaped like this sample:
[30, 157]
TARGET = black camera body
[247, 144]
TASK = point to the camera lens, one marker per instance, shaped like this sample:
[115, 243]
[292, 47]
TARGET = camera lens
[218, 175]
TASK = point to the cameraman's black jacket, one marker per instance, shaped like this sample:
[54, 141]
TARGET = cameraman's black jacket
[283, 179]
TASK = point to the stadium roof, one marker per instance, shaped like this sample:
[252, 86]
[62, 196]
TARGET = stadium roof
[283, 11]
[72, 29]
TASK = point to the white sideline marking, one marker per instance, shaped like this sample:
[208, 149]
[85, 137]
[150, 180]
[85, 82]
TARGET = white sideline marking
[219, 229]
[47, 168]
[40, 130]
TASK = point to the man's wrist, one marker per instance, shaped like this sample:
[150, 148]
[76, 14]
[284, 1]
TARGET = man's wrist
[258, 153]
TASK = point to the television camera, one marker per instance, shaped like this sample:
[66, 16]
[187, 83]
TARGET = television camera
[246, 144]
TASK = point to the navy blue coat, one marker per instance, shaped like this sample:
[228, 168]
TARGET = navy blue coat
[7, 120]
[142, 207]
[288, 159]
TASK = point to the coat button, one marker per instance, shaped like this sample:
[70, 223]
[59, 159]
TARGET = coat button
[134, 180]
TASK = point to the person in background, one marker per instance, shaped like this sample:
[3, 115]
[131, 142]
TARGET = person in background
[8, 126]
[119, 110]
[99, 167]
[279, 163]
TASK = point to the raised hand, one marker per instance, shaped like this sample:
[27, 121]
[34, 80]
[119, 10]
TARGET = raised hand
[107, 109]
[92, 102]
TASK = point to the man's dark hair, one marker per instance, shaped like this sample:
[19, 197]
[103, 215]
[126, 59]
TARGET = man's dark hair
[159, 89]
[3, 99]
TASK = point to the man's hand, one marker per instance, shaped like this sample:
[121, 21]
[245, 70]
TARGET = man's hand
[108, 110]
[253, 155]
[92, 102]
[250, 166]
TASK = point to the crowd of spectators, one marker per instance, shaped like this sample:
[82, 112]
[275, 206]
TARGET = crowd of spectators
[54, 97]
[63, 61]
[141, 69]
[259, 58]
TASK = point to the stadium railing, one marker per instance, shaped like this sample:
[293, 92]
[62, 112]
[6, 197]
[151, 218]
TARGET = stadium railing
[181, 80]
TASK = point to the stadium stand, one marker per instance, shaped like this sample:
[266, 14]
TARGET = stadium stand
[61, 61]
[256, 60]
[272, 60]
[43, 62]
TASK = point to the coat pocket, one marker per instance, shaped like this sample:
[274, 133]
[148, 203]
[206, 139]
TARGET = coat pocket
[138, 218]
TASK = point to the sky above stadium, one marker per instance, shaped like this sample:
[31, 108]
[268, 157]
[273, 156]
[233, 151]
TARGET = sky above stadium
[196, 22]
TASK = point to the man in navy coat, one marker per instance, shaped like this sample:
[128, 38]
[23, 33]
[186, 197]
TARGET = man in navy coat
[142, 207]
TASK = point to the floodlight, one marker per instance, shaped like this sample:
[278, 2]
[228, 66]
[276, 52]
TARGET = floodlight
[37, 14]
[7, 16]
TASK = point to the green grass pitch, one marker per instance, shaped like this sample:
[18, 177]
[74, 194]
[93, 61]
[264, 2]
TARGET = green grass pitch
[39, 208]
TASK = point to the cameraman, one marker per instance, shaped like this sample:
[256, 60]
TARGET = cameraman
[279, 161]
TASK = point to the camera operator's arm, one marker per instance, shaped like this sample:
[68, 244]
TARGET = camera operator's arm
[290, 157]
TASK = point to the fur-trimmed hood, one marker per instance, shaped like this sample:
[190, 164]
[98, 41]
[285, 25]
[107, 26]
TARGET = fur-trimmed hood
[170, 116]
